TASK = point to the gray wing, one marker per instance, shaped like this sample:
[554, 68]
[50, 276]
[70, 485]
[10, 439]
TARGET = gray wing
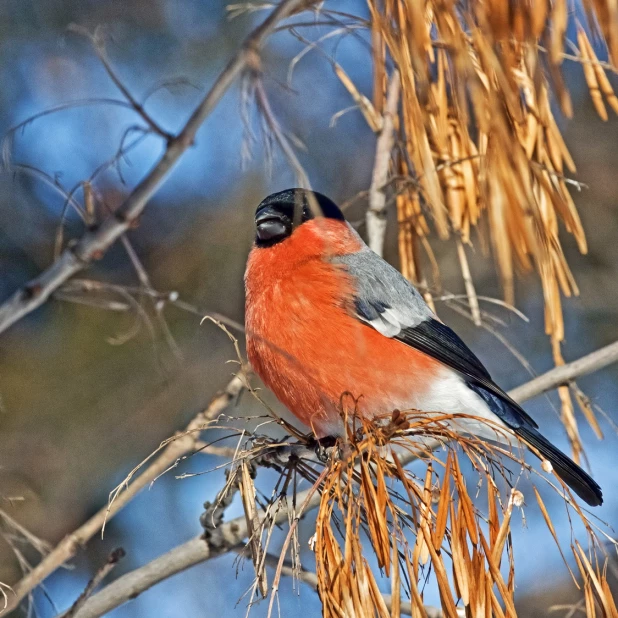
[388, 302]
[385, 299]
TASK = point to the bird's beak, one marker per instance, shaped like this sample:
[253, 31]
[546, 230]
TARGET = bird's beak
[271, 224]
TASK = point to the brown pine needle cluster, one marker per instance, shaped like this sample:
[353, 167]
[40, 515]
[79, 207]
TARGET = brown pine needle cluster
[431, 527]
[477, 129]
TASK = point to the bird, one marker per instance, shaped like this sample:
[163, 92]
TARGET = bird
[325, 317]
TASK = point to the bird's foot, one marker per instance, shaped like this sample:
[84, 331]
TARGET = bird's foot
[392, 426]
[325, 448]
[279, 453]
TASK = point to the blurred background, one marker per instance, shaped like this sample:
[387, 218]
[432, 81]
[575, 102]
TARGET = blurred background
[89, 388]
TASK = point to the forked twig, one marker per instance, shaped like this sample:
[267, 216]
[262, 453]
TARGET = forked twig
[98, 43]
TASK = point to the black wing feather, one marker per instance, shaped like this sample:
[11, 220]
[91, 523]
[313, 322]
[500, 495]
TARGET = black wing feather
[440, 342]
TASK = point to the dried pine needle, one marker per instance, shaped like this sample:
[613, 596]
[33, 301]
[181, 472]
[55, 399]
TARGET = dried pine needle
[432, 526]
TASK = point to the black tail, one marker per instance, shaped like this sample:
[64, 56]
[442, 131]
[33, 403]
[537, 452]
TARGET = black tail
[578, 480]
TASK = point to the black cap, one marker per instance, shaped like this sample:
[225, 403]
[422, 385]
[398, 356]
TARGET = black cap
[279, 214]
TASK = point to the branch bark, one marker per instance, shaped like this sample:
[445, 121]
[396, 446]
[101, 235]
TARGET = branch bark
[198, 550]
[195, 551]
[566, 373]
[93, 245]
[376, 214]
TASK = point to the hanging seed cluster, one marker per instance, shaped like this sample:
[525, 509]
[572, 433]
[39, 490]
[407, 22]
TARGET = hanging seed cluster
[428, 528]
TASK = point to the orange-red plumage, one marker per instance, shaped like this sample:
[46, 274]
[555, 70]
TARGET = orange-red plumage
[304, 342]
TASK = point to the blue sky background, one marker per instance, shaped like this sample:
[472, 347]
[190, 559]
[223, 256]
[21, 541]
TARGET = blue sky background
[79, 431]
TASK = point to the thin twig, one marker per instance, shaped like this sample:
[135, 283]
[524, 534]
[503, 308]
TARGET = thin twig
[158, 305]
[376, 215]
[278, 134]
[68, 290]
[98, 43]
[99, 576]
[469, 284]
[219, 451]
[93, 245]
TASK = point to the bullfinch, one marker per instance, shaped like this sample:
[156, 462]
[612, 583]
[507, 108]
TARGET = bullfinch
[326, 317]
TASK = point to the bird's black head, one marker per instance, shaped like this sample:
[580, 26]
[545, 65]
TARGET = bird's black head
[280, 213]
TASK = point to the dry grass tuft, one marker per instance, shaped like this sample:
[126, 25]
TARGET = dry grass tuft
[431, 527]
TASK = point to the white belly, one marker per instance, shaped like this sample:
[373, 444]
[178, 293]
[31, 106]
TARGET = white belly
[450, 395]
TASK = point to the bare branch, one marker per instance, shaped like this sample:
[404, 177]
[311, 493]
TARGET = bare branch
[565, 373]
[69, 546]
[188, 554]
[229, 538]
[94, 244]
[376, 215]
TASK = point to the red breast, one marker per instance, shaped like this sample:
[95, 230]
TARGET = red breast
[306, 345]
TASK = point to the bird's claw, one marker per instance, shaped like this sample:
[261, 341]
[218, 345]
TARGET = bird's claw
[325, 447]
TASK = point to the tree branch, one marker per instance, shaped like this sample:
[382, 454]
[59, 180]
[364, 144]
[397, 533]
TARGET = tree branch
[69, 546]
[376, 214]
[195, 551]
[93, 245]
[198, 550]
[565, 373]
